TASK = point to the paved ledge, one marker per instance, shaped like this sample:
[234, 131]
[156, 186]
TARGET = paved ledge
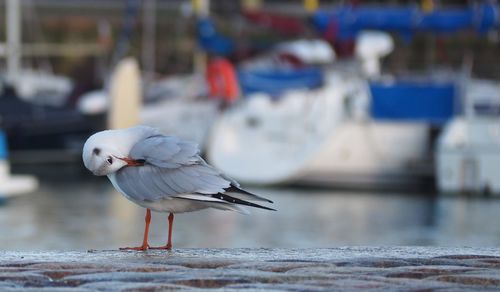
[350, 268]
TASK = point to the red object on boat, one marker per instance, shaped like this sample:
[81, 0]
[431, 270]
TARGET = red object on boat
[222, 80]
[280, 23]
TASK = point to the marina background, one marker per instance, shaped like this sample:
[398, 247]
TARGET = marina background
[84, 41]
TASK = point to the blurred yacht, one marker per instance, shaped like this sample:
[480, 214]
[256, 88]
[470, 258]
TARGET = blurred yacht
[35, 113]
[468, 150]
[357, 129]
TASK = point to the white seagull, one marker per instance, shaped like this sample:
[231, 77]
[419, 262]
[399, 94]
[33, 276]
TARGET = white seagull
[163, 174]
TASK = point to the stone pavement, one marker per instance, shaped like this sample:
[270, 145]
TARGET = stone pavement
[347, 269]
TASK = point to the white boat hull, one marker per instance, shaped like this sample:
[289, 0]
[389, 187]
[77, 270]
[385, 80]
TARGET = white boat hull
[468, 150]
[370, 155]
[355, 155]
[311, 138]
[468, 157]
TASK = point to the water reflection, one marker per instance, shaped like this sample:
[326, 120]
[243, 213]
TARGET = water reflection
[91, 215]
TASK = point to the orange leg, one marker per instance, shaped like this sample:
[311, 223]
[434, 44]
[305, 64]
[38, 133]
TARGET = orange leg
[145, 244]
[170, 226]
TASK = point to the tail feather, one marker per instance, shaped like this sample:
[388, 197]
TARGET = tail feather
[236, 192]
[222, 201]
[234, 200]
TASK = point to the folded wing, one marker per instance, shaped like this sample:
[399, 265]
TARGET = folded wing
[173, 168]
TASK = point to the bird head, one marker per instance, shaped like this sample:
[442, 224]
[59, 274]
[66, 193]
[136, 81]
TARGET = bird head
[107, 152]
[101, 155]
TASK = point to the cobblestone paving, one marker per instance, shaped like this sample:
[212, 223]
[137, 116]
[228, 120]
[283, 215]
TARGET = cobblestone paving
[348, 269]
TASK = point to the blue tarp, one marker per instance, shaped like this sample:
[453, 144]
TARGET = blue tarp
[3, 145]
[275, 82]
[348, 21]
[211, 41]
[429, 102]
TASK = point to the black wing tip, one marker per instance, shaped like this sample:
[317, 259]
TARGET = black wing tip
[264, 207]
[237, 201]
[233, 188]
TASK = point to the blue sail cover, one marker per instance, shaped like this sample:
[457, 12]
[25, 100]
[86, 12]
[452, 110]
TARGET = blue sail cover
[276, 81]
[413, 101]
[3, 145]
[212, 41]
[348, 21]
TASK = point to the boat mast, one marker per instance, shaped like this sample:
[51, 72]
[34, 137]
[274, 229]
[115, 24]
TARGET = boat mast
[148, 40]
[466, 73]
[202, 10]
[13, 32]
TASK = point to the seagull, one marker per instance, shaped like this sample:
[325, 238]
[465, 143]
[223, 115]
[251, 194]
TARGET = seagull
[163, 174]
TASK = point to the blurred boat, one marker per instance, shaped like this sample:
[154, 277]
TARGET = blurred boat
[38, 119]
[468, 150]
[356, 129]
[35, 113]
[328, 136]
[186, 106]
[359, 128]
[346, 21]
[12, 185]
[343, 23]
[43, 132]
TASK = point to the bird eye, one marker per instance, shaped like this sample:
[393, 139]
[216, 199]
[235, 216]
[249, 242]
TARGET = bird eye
[110, 160]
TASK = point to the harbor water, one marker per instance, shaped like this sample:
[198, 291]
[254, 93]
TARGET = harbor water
[74, 211]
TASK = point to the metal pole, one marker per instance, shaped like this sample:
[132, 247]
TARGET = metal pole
[201, 9]
[148, 40]
[13, 26]
[464, 81]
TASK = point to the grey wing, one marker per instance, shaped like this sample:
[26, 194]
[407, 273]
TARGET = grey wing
[166, 151]
[153, 183]
[172, 167]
